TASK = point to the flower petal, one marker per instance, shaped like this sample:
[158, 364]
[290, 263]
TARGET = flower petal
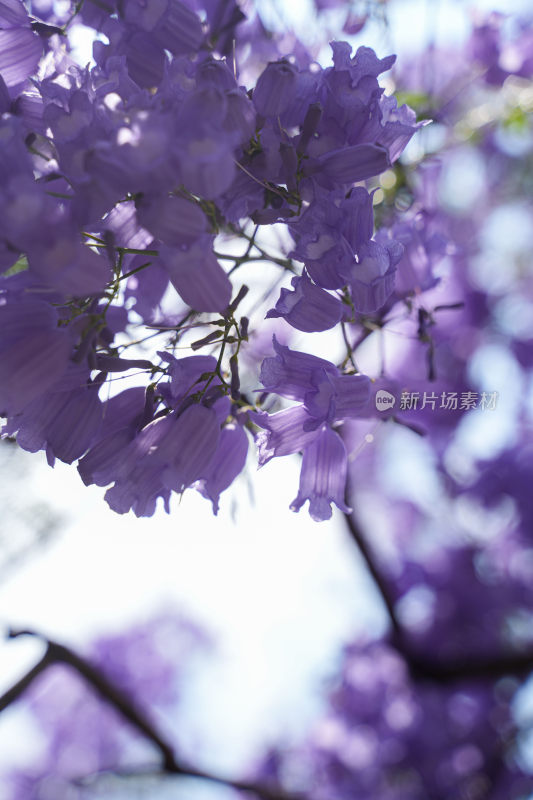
[20, 51]
[323, 476]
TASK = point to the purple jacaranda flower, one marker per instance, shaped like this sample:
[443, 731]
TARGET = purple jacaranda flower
[363, 64]
[173, 220]
[136, 157]
[67, 123]
[327, 255]
[227, 462]
[61, 261]
[95, 15]
[196, 274]
[354, 216]
[308, 307]
[485, 46]
[347, 165]
[185, 374]
[13, 15]
[223, 16]
[5, 99]
[215, 72]
[275, 89]
[284, 433]
[244, 197]
[240, 119]
[350, 95]
[172, 25]
[207, 164]
[399, 126]
[145, 56]
[323, 475]
[354, 132]
[271, 162]
[147, 287]
[305, 109]
[34, 352]
[203, 148]
[20, 47]
[329, 234]
[170, 453]
[121, 418]
[15, 161]
[372, 279]
[64, 421]
[289, 373]
[328, 397]
[335, 397]
[28, 107]
[354, 23]
[179, 30]
[424, 247]
[122, 221]
[326, 394]
[23, 209]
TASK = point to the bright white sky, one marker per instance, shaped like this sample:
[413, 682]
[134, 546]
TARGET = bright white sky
[280, 590]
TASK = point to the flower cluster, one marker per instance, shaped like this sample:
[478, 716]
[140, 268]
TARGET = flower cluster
[326, 397]
[119, 181]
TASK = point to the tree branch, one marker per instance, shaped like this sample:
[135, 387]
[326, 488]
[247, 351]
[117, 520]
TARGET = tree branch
[427, 668]
[383, 589]
[20, 687]
[58, 653]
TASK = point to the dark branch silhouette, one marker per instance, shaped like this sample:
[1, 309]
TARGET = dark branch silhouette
[60, 654]
[421, 666]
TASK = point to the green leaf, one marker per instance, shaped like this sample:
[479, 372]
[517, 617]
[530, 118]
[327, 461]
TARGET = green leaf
[20, 266]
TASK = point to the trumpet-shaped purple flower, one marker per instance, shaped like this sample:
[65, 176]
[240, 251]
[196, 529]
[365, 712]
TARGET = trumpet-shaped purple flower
[400, 125]
[325, 393]
[170, 453]
[147, 287]
[290, 372]
[173, 220]
[34, 352]
[122, 417]
[329, 234]
[64, 421]
[372, 279]
[327, 398]
[275, 89]
[185, 374]
[20, 47]
[227, 462]
[61, 261]
[308, 307]
[284, 433]
[323, 475]
[347, 165]
[196, 275]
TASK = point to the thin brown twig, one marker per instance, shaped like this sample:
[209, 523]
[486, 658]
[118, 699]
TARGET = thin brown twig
[128, 708]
